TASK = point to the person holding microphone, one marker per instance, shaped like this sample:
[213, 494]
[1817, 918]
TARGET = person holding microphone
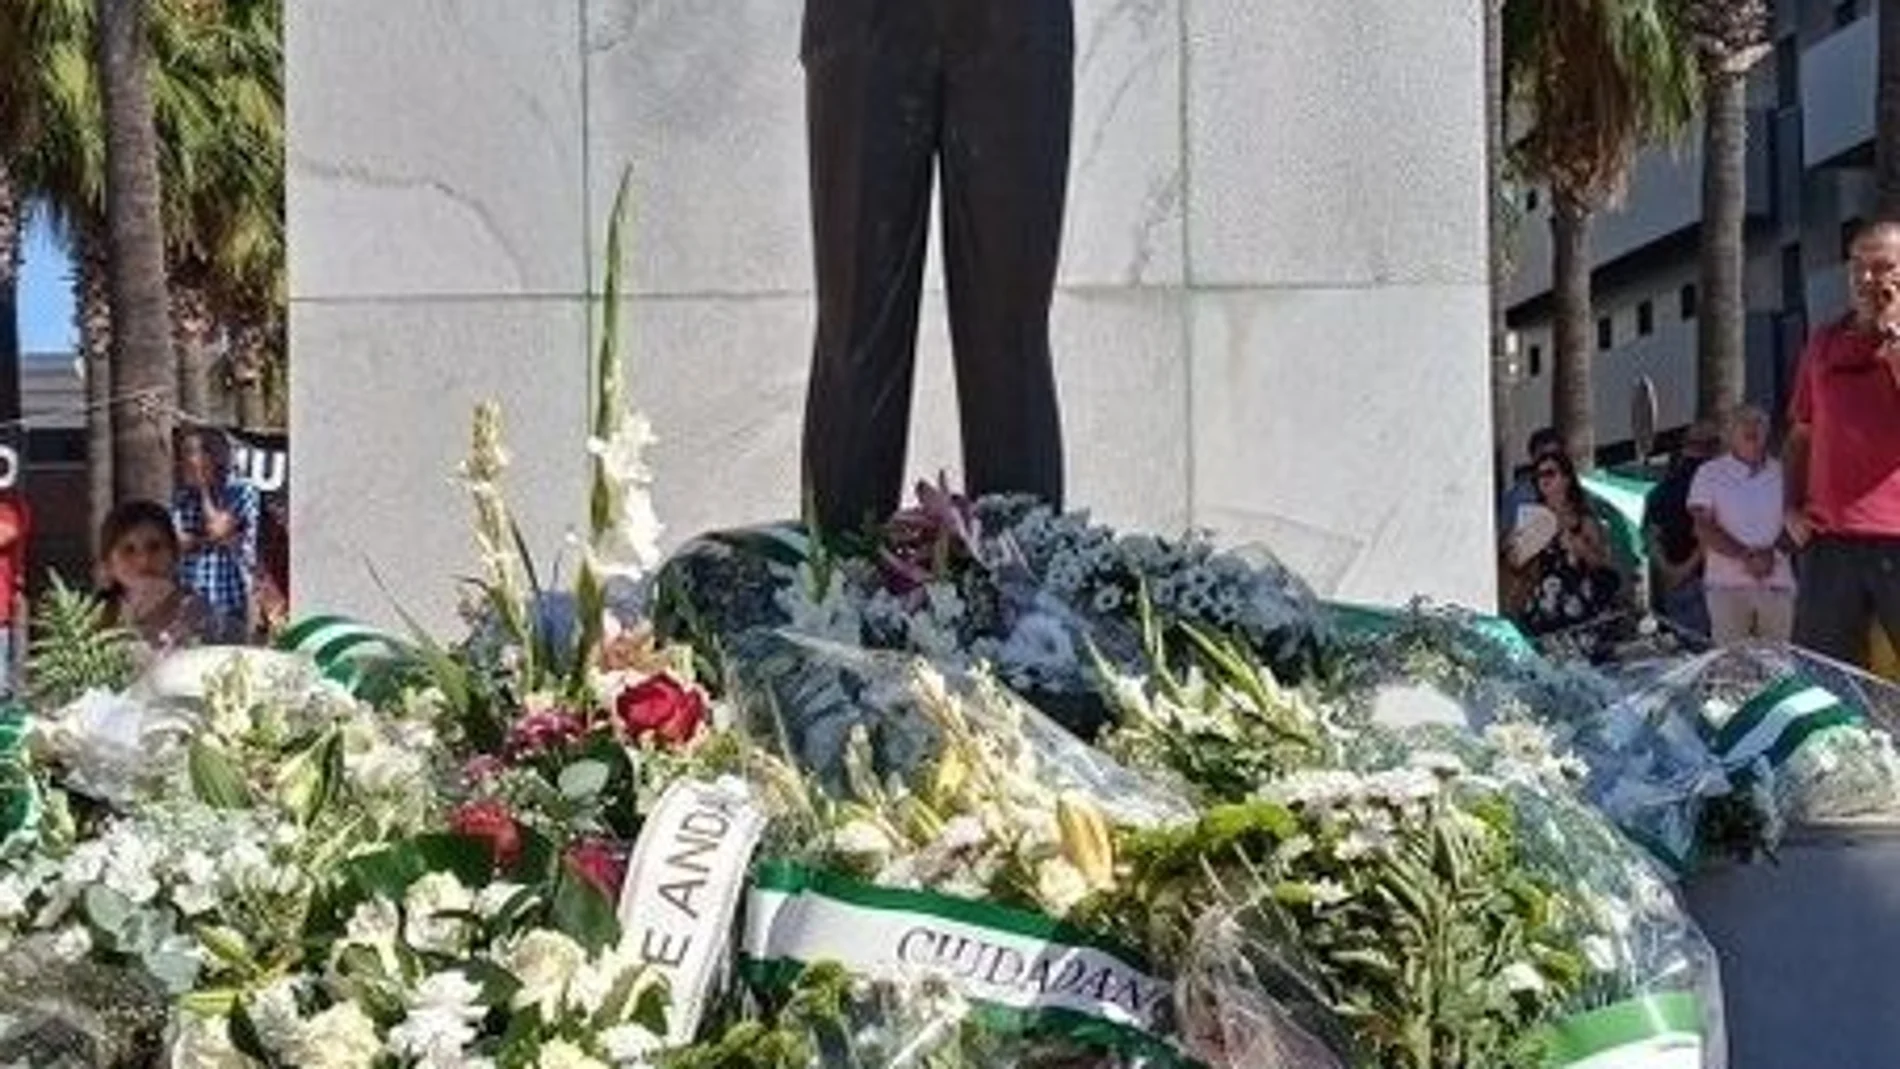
[1842, 461]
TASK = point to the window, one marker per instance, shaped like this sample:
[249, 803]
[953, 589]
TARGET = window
[1606, 333]
[1787, 73]
[1686, 301]
[1794, 279]
[1645, 319]
[1537, 360]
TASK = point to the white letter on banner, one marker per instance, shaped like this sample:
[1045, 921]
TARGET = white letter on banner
[684, 884]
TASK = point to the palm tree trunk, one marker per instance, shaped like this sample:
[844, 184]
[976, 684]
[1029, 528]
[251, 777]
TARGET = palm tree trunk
[12, 226]
[1494, 146]
[144, 369]
[248, 364]
[94, 308]
[1571, 399]
[1721, 368]
[1887, 114]
[194, 329]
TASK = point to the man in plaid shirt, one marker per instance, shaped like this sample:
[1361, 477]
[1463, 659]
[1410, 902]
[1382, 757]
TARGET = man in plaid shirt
[216, 515]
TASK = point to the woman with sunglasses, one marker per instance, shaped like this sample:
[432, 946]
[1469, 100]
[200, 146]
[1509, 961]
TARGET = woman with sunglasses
[1562, 553]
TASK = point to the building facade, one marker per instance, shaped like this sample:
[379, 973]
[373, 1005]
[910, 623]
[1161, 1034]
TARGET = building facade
[1810, 183]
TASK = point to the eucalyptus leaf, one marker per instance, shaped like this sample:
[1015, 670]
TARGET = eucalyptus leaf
[108, 910]
[584, 780]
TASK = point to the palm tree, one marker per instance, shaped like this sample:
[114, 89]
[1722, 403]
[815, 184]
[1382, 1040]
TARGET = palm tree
[1887, 114]
[12, 226]
[1730, 37]
[1595, 79]
[143, 365]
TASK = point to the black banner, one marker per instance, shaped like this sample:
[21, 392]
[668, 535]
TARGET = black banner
[262, 459]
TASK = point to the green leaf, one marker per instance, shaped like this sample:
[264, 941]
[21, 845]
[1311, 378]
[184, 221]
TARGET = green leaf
[583, 780]
[228, 945]
[449, 675]
[649, 1011]
[497, 984]
[309, 781]
[244, 1033]
[583, 914]
[215, 778]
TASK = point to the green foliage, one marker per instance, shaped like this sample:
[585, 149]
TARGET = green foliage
[1434, 950]
[75, 648]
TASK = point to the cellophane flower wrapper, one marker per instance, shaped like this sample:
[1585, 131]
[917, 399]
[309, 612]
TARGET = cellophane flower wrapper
[1809, 738]
[1241, 1005]
[1643, 755]
[943, 784]
[1638, 939]
[809, 697]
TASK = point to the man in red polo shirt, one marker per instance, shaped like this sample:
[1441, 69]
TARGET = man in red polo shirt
[1843, 460]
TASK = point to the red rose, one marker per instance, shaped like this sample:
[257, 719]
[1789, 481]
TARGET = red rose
[600, 863]
[490, 822]
[659, 707]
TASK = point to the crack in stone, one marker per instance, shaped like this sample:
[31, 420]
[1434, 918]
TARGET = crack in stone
[362, 174]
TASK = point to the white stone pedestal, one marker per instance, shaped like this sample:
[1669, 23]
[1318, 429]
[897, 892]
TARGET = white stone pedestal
[1271, 319]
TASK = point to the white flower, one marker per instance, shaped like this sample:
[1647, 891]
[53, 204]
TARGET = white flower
[1315, 788]
[13, 895]
[204, 1043]
[384, 769]
[274, 1014]
[631, 544]
[427, 904]
[1060, 886]
[195, 899]
[543, 962]
[629, 1044]
[864, 840]
[1403, 787]
[596, 979]
[1328, 892]
[561, 1054]
[1520, 976]
[72, 945]
[341, 1037]
[1359, 842]
[440, 1025]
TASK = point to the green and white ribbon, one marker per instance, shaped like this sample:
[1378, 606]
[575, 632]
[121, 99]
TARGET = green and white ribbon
[1775, 723]
[346, 651]
[1653, 1032]
[1021, 971]
[683, 888]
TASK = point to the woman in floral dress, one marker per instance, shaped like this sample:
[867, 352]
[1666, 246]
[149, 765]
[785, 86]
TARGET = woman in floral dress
[1571, 581]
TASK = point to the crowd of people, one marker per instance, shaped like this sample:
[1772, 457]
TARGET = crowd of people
[1744, 542]
[177, 573]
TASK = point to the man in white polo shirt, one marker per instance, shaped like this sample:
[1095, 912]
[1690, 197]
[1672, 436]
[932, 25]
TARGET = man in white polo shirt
[1737, 501]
